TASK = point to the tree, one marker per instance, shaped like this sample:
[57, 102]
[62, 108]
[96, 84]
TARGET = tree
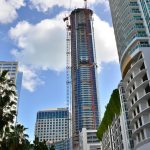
[12, 137]
[39, 145]
[8, 98]
[112, 109]
[52, 147]
[17, 139]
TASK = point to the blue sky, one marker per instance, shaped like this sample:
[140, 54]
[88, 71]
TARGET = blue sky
[33, 33]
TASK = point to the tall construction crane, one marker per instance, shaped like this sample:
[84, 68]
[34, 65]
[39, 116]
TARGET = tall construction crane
[68, 59]
[68, 76]
[85, 3]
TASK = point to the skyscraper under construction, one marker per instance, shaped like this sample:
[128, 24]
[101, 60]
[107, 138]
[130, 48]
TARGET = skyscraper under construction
[85, 111]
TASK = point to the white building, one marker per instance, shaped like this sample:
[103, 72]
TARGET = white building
[52, 125]
[15, 75]
[12, 67]
[131, 21]
[137, 87]
[106, 140]
[113, 137]
[124, 120]
[117, 135]
[88, 140]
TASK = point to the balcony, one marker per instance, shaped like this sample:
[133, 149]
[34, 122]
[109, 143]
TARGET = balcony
[140, 128]
[135, 78]
[142, 99]
[147, 140]
[141, 86]
[146, 110]
[133, 67]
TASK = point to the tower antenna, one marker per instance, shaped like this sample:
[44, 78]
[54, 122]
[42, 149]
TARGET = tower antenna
[85, 3]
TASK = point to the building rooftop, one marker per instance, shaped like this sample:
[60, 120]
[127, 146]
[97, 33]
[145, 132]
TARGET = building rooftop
[53, 109]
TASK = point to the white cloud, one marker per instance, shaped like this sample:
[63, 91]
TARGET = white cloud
[42, 46]
[44, 5]
[106, 50]
[105, 2]
[30, 78]
[8, 10]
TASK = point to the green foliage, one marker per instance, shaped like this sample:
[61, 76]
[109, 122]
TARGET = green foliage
[52, 147]
[12, 137]
[112, 109]
[15, 139]
[39, 145]
[7, 100]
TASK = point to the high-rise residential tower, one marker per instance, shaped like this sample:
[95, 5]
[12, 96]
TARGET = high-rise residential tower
[85, 111]
[131, 21]
[13, 74]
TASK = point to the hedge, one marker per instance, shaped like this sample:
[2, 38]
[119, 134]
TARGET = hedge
[112, 108]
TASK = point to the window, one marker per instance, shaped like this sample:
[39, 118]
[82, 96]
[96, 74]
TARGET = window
[130, 134]
[144, 78]
[127, 115]
[132, 143]
[140, 121]
[136, 124]
[128, 124]
[148, 102]
[123, 98]
[135, 97]
[147, 89]
[132, 102]
[142, 67]
[122, 146]
[134, 113]
[122, 90]
[130, 91]
[138, 110]
[131, 77]
[125, 107]
[138, 135]
[142, 133]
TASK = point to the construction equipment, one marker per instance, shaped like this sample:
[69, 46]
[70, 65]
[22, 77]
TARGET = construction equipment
[85, 3]
[68, 76]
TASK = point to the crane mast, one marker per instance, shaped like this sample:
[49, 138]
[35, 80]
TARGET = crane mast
[85, 3]
[68, 76]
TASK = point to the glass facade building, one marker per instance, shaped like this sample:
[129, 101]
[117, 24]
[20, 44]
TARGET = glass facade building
[131, 21]
[85, 111]
[52, 125]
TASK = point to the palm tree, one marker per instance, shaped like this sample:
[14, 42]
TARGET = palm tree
[8, 98]
[16, 139]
